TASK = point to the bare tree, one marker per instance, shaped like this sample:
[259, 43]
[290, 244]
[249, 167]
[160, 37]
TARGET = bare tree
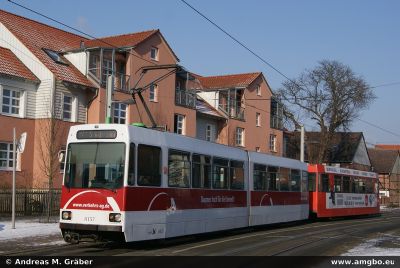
[51, 138]
[331, 95]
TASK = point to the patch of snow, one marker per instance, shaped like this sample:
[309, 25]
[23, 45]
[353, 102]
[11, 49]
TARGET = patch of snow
[27, 228]
[375, 247]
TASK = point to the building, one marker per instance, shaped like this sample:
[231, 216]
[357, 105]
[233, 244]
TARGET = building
[51, 79]
[253, 118]
[347, 150]
[387, 164]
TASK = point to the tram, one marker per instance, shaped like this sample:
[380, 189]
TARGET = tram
[336, 192]
[137, 184]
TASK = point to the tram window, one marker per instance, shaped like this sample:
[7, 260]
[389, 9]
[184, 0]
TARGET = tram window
[220, 173]
[273, 178]
[131, 168]
[346, 184]
[201, 171]
[284, 179]
[338, 184]
[295, 180]
[95, 165]
[311, 182]
[236, 175]
[260, 177]
[356, 185]
[361, 187]
[304, 181]
[149, 165]
[324, 183]
[369, 186]
[178, 169]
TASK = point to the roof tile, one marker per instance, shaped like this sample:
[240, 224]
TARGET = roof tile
[11, 65]
[228, 81]
[36, 36]
[124, 40]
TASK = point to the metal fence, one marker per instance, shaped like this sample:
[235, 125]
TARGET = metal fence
[31, 202]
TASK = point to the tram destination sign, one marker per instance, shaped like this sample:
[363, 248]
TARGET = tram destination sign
[96, 134]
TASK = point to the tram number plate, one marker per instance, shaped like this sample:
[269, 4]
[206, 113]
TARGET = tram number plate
[88, 219]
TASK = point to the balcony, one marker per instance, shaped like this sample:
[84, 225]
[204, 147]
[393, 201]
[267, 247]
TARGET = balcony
[186, 98]
[121, 81]
[236, 112]
[276, 122]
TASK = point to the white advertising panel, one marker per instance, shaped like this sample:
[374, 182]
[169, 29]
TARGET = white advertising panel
[347, 200]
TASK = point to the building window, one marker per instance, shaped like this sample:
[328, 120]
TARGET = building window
[119, 113]
[179, 124]
[6, 156]
[55, 56]
[239, 136]
[154, 53]
[272, 143]
[10, 103]
[258, 149]
[258, 90]
[209, 133]
[67, 108]
[153, 92]
[258, 119]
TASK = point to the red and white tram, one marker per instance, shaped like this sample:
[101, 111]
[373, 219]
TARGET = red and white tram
[144, 184]
[338, 191]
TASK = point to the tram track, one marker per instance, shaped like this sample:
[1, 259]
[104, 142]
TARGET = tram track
[260, 241]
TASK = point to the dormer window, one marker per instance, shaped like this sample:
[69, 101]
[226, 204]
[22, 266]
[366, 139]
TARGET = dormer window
[154, 53]
[54, 56]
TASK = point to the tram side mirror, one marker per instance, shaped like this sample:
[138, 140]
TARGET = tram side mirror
[61, 156]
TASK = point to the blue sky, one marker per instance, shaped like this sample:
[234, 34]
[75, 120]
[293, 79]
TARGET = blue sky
[291, 35]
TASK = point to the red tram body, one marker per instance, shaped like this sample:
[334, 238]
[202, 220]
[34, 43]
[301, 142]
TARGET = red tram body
[337, 192]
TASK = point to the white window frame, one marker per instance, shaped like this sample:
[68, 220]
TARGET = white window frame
[258, 90]
[258, 149]
[239, 137]
[63, 96]
[74, 107]
[258, 119]
[180, 124]
[21, 99]
[209, 133]
[156, 51]
[117, 106]
[8, 159]
[272, 143]
[153, 93]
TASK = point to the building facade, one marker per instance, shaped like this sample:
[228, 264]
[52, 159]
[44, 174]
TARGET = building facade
[51, 79]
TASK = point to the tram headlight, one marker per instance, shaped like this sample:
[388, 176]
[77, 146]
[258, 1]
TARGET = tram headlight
[114, 217]
[66, 215]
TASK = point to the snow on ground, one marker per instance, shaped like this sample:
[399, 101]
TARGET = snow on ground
[386, 245]
[26, 228]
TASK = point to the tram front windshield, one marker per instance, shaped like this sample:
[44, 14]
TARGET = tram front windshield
[95, 165]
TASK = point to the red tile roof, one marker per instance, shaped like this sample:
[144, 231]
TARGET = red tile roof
[36, 36]
[124, 40]
[11, 65]
[227, 81]
[388, 146]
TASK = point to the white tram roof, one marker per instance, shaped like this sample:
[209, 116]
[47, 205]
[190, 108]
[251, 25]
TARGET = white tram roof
[140, 135]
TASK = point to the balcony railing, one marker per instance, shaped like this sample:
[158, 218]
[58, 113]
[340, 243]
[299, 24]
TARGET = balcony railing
[121, 81]
[185, 98]
[234, 112]
[276, 122]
